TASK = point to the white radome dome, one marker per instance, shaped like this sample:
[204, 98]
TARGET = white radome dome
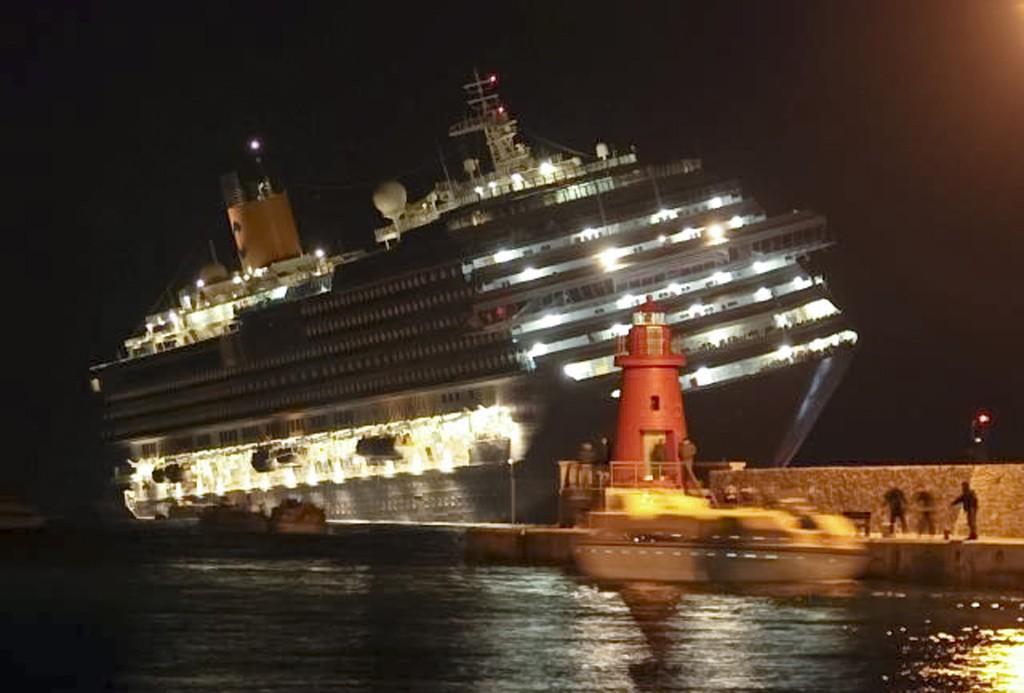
[389, 198]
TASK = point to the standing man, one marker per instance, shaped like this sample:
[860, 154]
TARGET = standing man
[896, 501]
[969, 499]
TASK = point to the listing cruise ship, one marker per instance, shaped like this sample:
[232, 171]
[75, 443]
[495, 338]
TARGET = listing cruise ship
[440, 376]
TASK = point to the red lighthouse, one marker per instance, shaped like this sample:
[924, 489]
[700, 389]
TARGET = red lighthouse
[651, 425]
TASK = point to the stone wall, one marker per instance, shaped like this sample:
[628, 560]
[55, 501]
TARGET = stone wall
[1000, 489]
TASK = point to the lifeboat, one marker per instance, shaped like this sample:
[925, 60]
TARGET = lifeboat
[666, 535]
[298, 517]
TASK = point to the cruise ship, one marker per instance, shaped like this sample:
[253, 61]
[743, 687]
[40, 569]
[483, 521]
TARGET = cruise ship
[440, 376]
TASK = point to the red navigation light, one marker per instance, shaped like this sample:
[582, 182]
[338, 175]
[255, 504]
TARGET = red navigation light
[983, 418]
[493, 79]
[501, 110]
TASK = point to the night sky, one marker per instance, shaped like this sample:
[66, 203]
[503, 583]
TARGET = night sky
[902, 122]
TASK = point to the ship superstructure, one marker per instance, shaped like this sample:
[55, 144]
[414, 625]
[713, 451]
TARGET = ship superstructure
[412, 382]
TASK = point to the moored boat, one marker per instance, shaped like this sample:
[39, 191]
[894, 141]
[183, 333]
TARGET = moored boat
[665, 535]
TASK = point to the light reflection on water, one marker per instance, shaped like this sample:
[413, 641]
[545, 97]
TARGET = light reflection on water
[390, 609]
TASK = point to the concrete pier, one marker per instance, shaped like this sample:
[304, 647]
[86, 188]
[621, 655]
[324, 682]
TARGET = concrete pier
[989, 562]
[522, 544]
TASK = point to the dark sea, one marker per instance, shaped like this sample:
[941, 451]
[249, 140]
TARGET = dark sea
[378, 608]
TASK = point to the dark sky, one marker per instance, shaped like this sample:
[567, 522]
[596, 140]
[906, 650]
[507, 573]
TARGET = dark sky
[903, 122]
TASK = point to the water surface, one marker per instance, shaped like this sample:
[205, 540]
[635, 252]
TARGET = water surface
[398, 609]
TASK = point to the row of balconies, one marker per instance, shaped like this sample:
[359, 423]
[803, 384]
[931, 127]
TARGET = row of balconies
[490, 361]
[332, 367]
[416, 303]
[415, 281]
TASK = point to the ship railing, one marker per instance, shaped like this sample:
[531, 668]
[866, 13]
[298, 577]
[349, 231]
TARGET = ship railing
[647, 474]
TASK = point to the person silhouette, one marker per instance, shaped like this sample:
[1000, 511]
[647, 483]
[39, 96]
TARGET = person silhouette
[969, 500]
[896, 501]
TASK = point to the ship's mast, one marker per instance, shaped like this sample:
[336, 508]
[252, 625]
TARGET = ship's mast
[488, 115]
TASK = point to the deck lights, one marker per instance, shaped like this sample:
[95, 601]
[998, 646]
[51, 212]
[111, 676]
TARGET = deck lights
[609, 259]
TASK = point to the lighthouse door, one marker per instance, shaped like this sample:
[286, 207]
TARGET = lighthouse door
[655, 446]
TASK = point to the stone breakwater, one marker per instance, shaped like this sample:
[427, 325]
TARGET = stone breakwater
[1000, 489]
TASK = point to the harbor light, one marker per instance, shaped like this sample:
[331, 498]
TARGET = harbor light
[762, 294]
[237, 279]
[517, 178]
[715, 202]
[736, 222]
[255, 145]
[479, 190]
[537, 350]
[319, 252]
[504, 256]
[200, 283]
[547, 168]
